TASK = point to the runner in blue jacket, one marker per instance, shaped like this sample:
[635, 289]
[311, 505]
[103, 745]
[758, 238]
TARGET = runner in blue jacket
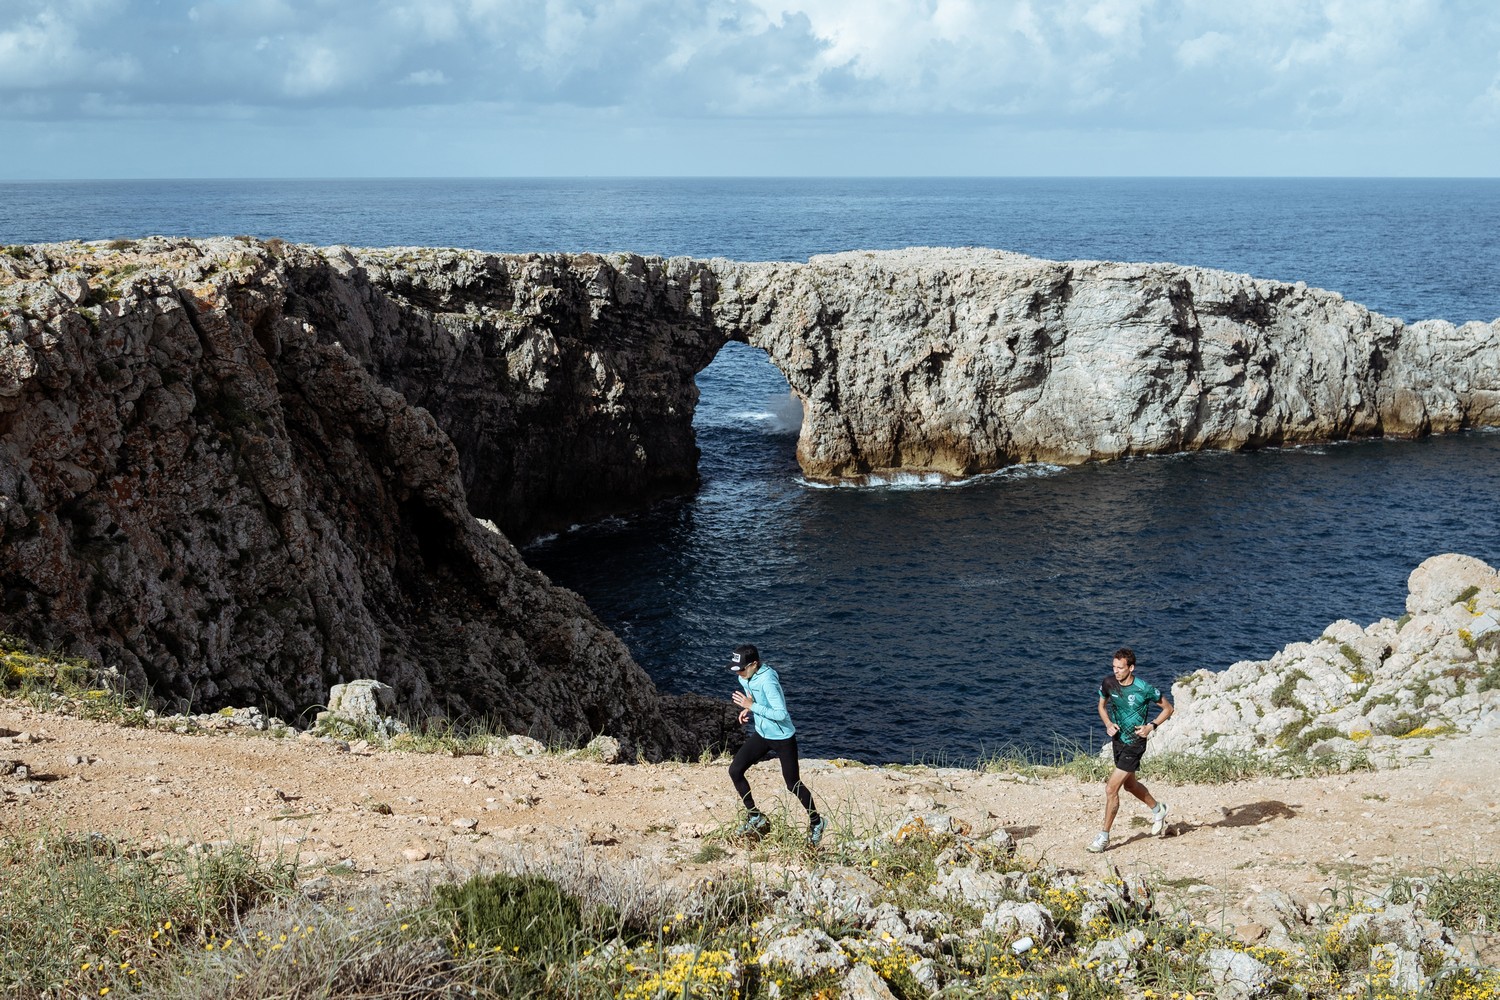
[761, 699]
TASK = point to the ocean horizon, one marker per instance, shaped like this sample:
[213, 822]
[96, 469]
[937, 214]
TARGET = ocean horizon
[917, 619]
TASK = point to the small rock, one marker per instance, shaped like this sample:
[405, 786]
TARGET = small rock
[465, 823]
[806, 953]
[516, 745]
[607, 748]
[864, 983]
[1236, 974]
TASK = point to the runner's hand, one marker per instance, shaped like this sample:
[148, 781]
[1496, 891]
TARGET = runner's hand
[743, 700]
[745, 715]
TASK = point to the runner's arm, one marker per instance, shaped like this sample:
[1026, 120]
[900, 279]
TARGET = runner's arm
[1109, 724]
[1148, 729]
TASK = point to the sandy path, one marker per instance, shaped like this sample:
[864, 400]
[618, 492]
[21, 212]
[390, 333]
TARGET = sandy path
[1301, 835]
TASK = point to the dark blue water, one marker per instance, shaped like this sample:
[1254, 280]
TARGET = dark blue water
[923, 622]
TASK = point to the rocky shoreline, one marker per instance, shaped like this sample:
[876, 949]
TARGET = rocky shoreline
[1434, 671]
[242, 471]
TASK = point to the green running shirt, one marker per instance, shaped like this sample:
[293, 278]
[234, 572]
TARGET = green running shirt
[1128, 706]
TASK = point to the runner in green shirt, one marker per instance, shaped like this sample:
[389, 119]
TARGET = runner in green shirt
[1125, 701]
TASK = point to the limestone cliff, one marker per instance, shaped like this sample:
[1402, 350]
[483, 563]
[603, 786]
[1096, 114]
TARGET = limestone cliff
[245, 471]
[964, 361]
[1374, 688]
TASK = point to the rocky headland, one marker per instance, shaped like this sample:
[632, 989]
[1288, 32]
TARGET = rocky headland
[241, 471]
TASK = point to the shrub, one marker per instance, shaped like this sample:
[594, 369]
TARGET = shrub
[1315, 734]
[521, 912]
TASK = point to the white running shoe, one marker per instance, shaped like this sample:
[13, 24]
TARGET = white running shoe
[1159, 819]
[1100, 843]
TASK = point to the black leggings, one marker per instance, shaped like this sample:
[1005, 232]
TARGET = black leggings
[756, 749]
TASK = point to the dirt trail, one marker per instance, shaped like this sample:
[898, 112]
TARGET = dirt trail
[398, 814]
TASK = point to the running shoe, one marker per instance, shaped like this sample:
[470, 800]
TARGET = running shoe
[755, 825]
[815, 831]
[1159, 819]
[1100, 843]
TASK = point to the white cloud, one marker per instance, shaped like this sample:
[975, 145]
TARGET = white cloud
[314, 70]
[426, 78]
[1075, 64]
[1203, 50]
[43, 48]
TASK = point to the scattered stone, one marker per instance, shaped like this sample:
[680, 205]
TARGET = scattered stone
[925, 972]
[806, 953]
[1020, 920]
[864, 983]
[465, 823]
[516, 745]
[606, 748]
[1236, 974]
[1402, 967]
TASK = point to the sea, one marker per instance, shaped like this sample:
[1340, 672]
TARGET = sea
[948, 622]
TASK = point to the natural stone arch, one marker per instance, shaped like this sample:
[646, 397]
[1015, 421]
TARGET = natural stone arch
[964, 361]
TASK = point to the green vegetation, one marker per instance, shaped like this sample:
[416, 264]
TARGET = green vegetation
[53, 683]
[532, 927]
[1466, 899]
[87, 917]
[1469, 593]
[1310, 735]
[1282, 696]
[1209, 767]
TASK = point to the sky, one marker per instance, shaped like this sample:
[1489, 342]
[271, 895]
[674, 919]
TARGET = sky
[803, 88]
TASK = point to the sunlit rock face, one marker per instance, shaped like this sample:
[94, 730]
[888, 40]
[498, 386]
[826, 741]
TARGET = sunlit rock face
[963, 361]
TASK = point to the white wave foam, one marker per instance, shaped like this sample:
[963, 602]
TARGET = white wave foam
[933, 480]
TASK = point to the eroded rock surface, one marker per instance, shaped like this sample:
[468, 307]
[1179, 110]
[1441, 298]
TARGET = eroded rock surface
[202, 486]
[228, 467]
[964, 361]
[1376, 688]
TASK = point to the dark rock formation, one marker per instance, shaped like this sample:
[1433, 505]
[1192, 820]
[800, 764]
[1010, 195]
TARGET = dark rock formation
[199, 486]
[229, 467]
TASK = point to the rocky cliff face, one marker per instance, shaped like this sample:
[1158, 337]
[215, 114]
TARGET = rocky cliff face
[964, 361]
[201, 486]
[566, 383]
[245, 471]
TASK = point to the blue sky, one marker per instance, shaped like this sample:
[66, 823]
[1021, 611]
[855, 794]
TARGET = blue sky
[385, 88]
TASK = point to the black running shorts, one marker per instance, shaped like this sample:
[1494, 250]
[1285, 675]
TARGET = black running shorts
[1128, 755]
